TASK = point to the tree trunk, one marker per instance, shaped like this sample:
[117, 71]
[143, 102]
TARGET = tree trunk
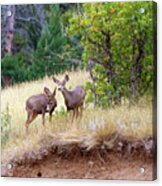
[108, 65]
[93, 89]
[133, 71]
[136, 72]
[139, 66]
[90, 66]
[42, 19]
[9, 30]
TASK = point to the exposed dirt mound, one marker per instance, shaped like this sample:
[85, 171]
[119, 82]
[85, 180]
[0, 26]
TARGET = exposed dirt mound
[90, 166]
[113, 157]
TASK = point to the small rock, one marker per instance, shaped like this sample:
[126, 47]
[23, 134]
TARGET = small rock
[120, 144]
[103, 168]
[149, 144]
[91, 163]
[102, 147]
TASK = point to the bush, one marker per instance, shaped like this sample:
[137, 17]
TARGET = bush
[5, 125]
[14, 68]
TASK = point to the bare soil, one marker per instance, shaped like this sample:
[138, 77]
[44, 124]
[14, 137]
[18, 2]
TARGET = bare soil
[92, 166]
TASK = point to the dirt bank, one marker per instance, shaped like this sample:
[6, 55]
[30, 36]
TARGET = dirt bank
[93, 166]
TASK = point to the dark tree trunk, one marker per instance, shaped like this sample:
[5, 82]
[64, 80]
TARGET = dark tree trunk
[108, 64]
[139, 66]
[93, 89]
[90, 67]
[9, 30]
[6, 81]
[136, 72]
[133, 71]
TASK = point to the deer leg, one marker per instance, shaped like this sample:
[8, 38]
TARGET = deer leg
[68, 116]
[43, 116]
[43, 119]
[77, 112]
[31, 116]
[73, 115]
[81, 111]
[27, 121]
[50, 117]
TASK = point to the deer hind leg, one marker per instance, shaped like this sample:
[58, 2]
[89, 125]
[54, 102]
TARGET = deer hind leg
[81, 111]
[74, 112]
[30, 117]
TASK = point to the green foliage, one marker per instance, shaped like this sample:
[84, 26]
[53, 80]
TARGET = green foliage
[19, 40]
[14, 68]
[117, 40]
[50, 46]
[113, 41]
[61, 112]
[5, 125]
[54, 51]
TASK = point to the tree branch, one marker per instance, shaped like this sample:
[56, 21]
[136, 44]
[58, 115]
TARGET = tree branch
[26, 19]
[95, 43]
[95, 61]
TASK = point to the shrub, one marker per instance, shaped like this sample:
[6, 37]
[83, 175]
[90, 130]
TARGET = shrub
[5, 125]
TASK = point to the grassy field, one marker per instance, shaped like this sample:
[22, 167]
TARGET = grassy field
[134, 122]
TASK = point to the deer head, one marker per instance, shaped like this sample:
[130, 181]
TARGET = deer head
[61, 84]
[52, 103]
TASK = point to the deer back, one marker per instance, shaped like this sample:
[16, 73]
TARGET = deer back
[37, 103]
[74, 98]
[78, 93]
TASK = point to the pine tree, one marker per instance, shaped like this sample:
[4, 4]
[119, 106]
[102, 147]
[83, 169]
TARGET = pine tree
[49, 54]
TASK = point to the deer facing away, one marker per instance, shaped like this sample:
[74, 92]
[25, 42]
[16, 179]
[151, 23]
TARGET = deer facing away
[74, 99]
[40, 104]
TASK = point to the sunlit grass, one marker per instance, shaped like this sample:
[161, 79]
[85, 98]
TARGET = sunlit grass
[132, 122]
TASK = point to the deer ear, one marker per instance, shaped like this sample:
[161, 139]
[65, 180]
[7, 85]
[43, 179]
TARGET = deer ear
[56, 80]
[47, 91]
[66, 77]
[54, 92]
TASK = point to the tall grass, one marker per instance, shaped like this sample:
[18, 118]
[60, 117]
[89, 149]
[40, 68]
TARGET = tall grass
[133, 122]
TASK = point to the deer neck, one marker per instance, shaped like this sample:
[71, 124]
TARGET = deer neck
[67, 95]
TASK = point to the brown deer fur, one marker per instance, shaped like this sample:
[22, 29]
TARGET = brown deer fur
[74, 99]
[40, 104]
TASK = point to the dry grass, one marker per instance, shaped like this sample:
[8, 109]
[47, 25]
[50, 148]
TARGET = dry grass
[134, 122]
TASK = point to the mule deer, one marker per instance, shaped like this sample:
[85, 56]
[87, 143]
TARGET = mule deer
[74, 99]
[40, 104]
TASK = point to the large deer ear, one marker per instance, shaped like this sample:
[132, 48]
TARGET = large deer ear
[56, 80]
[47, 91]
[66, 78]
[54, 92]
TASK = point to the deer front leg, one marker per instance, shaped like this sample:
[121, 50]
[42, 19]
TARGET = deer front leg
[50, 117]
[73, 115]
[43, 116]
[43, 119]
[77, 112]
[81, 111]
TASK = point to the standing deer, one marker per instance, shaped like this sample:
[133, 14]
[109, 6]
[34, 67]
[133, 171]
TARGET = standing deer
[74, 99]
[40, 104]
